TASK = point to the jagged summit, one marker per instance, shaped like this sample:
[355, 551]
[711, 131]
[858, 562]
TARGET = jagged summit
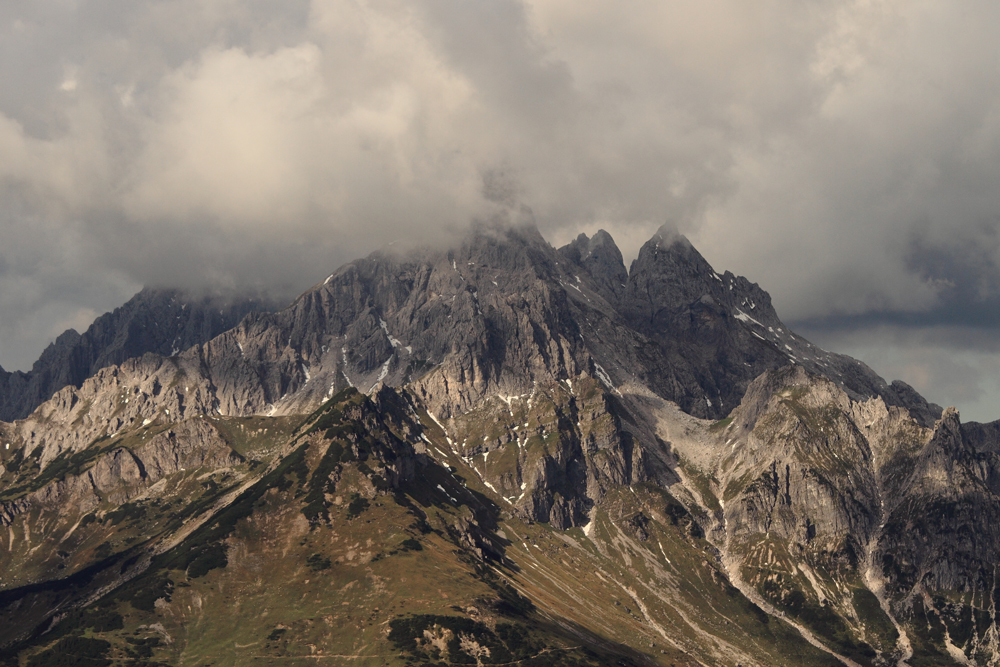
[494, 315]
[603, 261]
[504, 310]
[668, 235]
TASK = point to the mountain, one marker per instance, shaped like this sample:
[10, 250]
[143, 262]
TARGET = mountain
[501, 453]
[161, 321]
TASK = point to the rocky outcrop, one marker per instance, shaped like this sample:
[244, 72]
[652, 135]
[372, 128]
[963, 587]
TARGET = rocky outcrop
[602, 260]
[194, 443]
[820, 494]
[554, 453]
[142, 391]
[801, 469]
[121, 473]
[570, 450]
[943, 534]
[160, 321]
[807, 462]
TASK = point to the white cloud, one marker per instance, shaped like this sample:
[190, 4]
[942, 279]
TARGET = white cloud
[228, 145]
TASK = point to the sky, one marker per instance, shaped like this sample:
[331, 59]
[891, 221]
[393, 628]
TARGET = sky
[845, 155]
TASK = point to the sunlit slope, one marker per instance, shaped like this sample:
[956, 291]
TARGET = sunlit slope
[344, 539]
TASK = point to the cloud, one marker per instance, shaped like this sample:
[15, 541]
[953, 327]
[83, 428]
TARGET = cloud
[842, 155]
[900, 151]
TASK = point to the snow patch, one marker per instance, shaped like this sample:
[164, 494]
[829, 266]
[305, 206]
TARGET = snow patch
[743, 317]
[392, 341]
[343, 371]
[447, 494]
[382, 373]
[603, 377]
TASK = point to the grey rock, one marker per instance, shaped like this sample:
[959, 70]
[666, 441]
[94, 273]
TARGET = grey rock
[161, 321]
[603, 261]
[121, 473]
[500, 313]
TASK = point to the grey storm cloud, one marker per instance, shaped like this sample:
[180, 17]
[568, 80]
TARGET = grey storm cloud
[844, 155]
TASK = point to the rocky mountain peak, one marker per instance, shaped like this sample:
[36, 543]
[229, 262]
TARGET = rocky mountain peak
[603, 261]
[670, 276]
[668, 235]
[495, 314]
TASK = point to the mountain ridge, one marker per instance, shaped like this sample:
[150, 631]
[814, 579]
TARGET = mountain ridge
[162, 321]
[655, 471]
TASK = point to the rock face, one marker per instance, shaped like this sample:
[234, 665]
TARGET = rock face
[160, 321]
[854, 519]
[946, 523]
[120, 473]
[718, 332]
[554, 453]
[603, 261]
[810, 468]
